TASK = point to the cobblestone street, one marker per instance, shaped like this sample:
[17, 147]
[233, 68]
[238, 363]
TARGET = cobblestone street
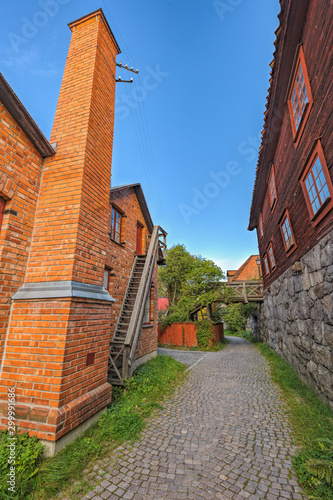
[224, 434]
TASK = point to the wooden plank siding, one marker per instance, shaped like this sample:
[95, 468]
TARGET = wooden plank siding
[289, 161]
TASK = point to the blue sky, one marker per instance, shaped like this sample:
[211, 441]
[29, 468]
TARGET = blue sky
[188, 128]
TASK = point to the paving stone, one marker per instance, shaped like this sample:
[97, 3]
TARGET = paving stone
[224, 434]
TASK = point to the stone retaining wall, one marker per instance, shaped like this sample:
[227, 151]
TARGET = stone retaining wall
[297, 317]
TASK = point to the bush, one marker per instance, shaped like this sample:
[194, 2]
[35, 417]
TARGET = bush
[205, 333]
[175, 317]
[28, 456]
[236, 315]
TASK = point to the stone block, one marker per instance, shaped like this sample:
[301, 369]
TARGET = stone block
[329, 274]
[306, 279]
[316, 277]
[325, 379]
[319, 290]
[312, 368]
[327, 333]
[326, 255]
[321, 354]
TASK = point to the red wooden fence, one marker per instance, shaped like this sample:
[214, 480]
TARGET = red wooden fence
[185, 334]
[178, 334]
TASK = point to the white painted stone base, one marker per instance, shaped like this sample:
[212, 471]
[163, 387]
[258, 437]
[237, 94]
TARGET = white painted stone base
[52, 447]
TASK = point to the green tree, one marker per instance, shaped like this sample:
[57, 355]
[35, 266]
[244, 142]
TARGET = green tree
[172, 276]
[189, 280]
[204, 283]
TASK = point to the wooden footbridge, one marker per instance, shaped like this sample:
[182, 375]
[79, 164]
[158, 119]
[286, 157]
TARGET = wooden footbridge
[236, 291]
[244, 291]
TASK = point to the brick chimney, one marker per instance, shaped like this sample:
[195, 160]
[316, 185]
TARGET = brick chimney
[57, 342]
[69, 240]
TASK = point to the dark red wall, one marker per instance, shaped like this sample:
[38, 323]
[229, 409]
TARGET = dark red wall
[289, 162]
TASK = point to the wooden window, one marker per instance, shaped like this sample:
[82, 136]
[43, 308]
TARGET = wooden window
[116, 222]
[106, 281]
[2, 209]
[287, 233]
[272, 188]
[261, 228]
[299, 96]
[271, 256]
[266, 265]
[147, 313]
[317, 185]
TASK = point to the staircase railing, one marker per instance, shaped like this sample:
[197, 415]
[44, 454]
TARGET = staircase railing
[135, 325]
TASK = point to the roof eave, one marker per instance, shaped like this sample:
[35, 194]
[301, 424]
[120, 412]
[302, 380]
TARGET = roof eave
[288, 36]
[142, 202]
[15, 107]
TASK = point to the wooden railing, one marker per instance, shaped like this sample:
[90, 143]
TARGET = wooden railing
[156, 252]
[244, 291]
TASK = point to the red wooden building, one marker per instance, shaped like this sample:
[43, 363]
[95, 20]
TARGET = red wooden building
[293, 194]
[76, 261]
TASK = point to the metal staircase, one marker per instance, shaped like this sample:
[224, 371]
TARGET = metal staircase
[125, 340]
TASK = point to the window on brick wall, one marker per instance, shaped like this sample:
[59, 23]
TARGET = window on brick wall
[106, 280]
[272, 188]
[317, 185]
[147, 317]
[287, 233]
[2, 210]
[266, 265]
[116, 224]
[271, 256]
[299, 96]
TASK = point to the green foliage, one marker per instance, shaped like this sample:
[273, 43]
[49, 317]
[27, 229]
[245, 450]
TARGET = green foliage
[217, 314]
[28, 454]
[123, 421]
[313, 428]
[173, 318]
[205, 333]
[171, 277]
[250, 309]
[321, 468]
[188, 280]
[236, 315]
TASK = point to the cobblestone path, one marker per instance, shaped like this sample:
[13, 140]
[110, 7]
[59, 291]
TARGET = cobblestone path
[224, 434]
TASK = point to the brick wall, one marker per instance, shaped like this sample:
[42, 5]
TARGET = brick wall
[48, 339]
[20, 174]
[120, 258]
[72, 216]
[55, 349]
[46, 362]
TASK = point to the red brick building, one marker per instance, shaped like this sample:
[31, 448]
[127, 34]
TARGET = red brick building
[131, 230]
[57, 252]
[293, 194]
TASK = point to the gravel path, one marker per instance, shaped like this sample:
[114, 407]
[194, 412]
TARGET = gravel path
[224, 434]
